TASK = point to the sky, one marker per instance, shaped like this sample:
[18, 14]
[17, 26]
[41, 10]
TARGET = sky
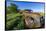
[35, 6]
[28, 0]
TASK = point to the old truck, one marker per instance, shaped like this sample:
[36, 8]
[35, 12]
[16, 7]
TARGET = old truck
[32, 19]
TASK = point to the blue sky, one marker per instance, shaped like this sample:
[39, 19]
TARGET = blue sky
[35, 6]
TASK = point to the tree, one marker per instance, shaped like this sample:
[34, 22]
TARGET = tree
[14, 19]
[12, 8]
[29, 10]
